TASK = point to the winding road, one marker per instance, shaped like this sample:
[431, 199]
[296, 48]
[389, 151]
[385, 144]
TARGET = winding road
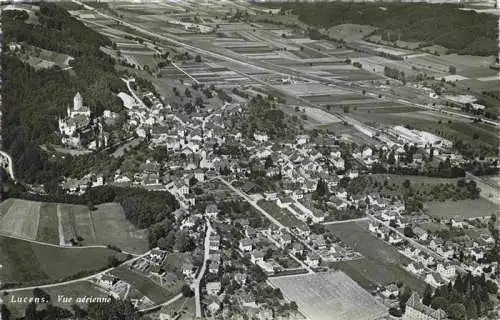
[206, 255]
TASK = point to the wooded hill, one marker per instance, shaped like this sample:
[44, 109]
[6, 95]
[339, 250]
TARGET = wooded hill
[462, 32]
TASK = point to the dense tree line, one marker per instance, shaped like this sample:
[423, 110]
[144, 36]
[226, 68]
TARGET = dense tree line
[463, 32]
[467, 298]
[263, 116]
[34, 99]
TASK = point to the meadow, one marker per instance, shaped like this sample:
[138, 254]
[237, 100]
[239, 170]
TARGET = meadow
[27, 263]
[381, 264]
[106, 225]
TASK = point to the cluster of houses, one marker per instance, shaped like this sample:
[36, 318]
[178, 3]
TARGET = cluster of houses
[436, 264]
[79, 186]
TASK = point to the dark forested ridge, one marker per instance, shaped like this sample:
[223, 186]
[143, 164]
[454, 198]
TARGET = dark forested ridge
[33, 99]
[462, 32]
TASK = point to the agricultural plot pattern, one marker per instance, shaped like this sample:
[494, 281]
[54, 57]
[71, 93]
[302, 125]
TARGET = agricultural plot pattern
[21, 219]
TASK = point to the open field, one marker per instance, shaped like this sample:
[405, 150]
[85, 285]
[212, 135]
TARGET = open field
[185, 307]
[21, 219]
[31, 263]
[350, 32]
[463, 208]
[75, 290]
[39, 221]
[381, 264]
[334, 99]
[106, 225]
[320, 116]
[282, 215]
[146, 286]
[48, 227]
[112, 227]
[331, 295]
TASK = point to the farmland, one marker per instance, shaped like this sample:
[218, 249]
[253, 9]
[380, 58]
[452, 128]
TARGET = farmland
[48, 227]
[44, 221]
[462, 208]
[105, 225]
[329, 295]
[381, 264]
[29, 263]
[21, 219]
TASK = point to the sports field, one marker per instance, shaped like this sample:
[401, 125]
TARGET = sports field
[381, 264]
[30, 263]
[331, 295]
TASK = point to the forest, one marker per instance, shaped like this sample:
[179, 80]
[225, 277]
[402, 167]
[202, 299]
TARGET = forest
[462, 32]
[34, 99]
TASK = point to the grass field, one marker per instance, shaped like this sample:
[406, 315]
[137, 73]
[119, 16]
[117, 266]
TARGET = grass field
[185, 307]
[31, 263]
[331, 295]
[147, 286]
[48, 227]
[21, 219]
[112, 227]
[282, 215]
[106, 225]
[381, 264]
[463, 208]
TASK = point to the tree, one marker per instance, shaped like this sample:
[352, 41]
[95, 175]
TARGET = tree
[321, 188]
[186, 291]
[4, 312]
[406, 184]
[452, 70]
[408, 231]
[427, 299]
[471, 308]
[269, 162]
[457, 311]
[492, 287]
[439, 303]
[197, 58]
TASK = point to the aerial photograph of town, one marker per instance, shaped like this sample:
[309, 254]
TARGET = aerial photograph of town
[249, 159]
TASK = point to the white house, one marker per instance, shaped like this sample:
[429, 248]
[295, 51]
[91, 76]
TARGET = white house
[416, 268]
[446, 270]
[246, 245]
[211, 210]
[391, 290]
[261, 137]
[434, 279]
[213, 288]
[312, 260]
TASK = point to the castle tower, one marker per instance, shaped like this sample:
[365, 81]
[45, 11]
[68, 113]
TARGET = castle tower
[77, 101]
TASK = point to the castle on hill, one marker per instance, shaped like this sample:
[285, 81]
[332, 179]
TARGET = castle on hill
[78, 130]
